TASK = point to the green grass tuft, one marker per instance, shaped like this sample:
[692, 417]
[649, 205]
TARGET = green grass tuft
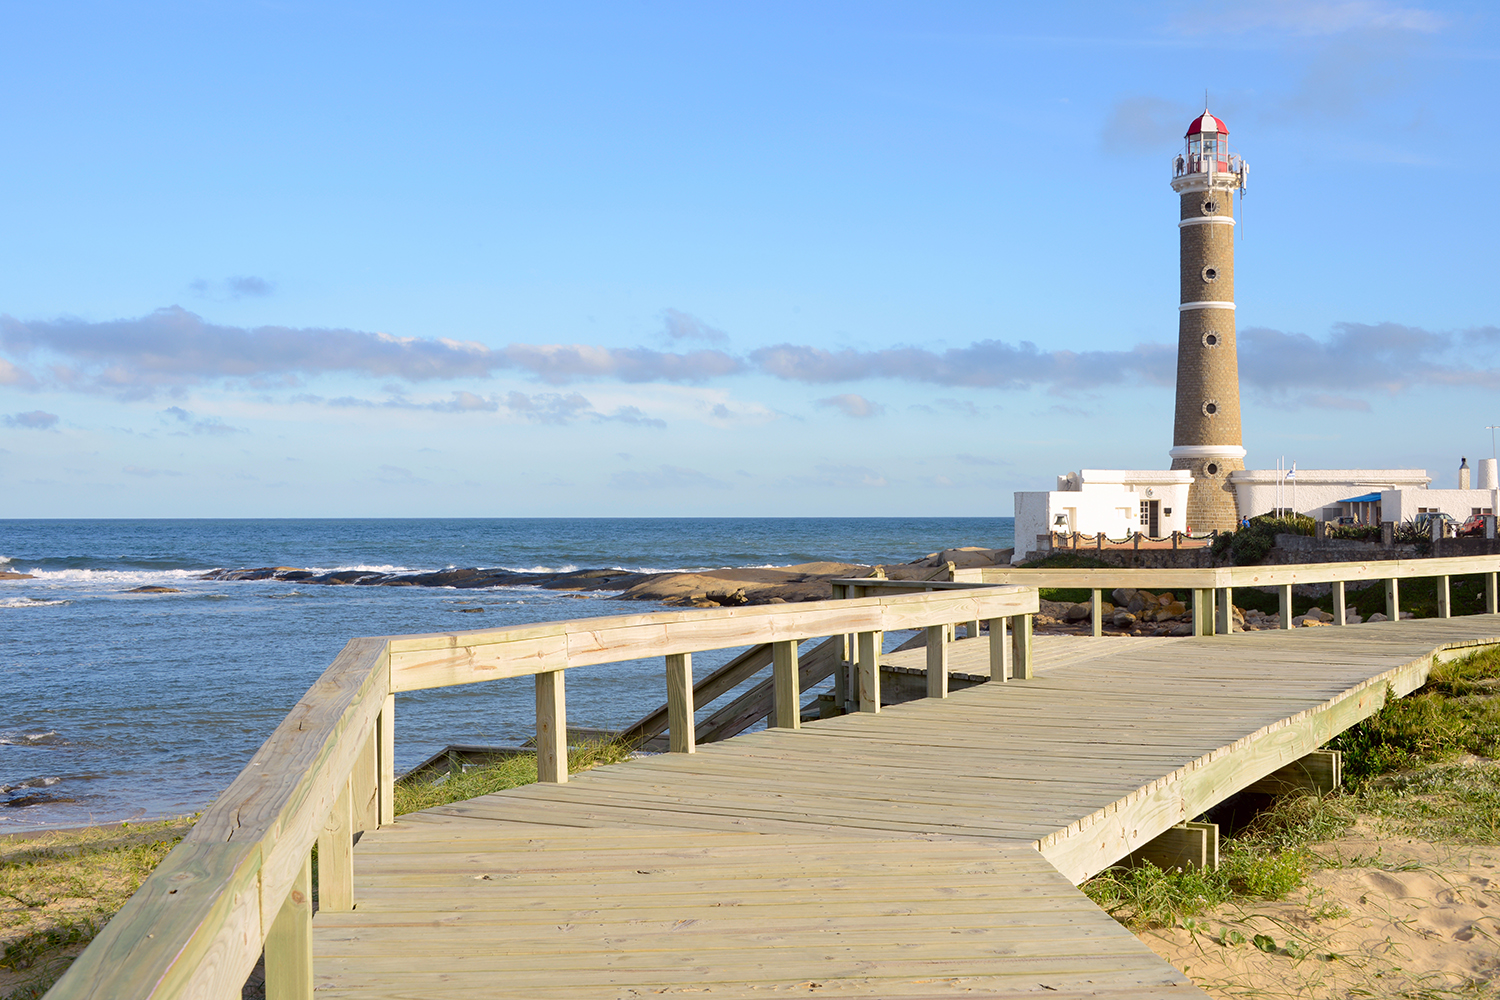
[513, 772]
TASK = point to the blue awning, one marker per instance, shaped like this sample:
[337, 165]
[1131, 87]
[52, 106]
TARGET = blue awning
[1367, 498]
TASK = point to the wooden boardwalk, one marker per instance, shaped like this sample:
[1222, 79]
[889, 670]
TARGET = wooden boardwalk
[930, 850]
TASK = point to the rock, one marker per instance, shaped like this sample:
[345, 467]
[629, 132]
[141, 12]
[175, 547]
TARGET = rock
[707, 604]
[1122, 595]
[1077, 612]
[1176, 609]
[1319, 614]
[1408, 614]
[468, 611]
[8, 575]
[1123, 619]
[1137, 603]
[1165, 599]
[776, 600]
[154, 590]
[1353, 619]
[1180, 630]
[1378, 617]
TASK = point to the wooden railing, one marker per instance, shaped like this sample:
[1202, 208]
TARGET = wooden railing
[1213, 588]
[240, 883]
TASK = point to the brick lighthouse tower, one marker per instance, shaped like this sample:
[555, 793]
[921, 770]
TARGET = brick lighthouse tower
[1206, 432]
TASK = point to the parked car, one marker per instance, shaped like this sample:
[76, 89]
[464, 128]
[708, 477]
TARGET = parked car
[1424, 520]
[1473, 526]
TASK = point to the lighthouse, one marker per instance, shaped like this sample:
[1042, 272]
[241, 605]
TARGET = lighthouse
[1206, 431]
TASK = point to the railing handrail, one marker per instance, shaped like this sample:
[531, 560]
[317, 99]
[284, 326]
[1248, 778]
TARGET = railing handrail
[1219, 577]
[240, 880]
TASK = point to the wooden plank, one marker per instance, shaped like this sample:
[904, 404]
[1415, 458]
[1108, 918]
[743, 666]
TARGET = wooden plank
[1393, 599]
[289, 947]
[788, 693]
[1444, 598]
[1317, 773]
[1224, 610]
[1020, 656]
[386, 734]
[551, 728]
[1284, 600]
[336, 856]
[1185, 846]
[1096, 612]
[868, 653]
[937, 660]
[680, 702]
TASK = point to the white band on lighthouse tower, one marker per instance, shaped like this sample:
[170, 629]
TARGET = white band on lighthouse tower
[1207, 451]
[1204, 305]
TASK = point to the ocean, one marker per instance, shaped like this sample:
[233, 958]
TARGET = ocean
[120, 705]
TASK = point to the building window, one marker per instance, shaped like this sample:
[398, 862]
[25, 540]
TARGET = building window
[1210, 340]
[1210, 274]
[1145, 512]
[1210, 408]
[1213, 470]
[1210, 206]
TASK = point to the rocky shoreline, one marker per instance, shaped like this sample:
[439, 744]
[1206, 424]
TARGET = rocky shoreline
[702, 589]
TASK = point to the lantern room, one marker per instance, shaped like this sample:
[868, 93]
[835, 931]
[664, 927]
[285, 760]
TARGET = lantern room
[1206, 150]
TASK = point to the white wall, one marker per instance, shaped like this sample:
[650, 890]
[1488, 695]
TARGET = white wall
[1316, 489]
[1101, 500]
[1401, 505]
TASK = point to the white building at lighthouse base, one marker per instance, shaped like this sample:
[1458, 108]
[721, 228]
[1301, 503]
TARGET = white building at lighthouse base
[1120, 503]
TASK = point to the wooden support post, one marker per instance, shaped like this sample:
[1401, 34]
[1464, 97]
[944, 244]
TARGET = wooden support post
[1096, 612]
[869, 669]
[1444, 598]
[683, 736]
[1203, 611]
[289, 958]
[1336, 592]
[551, 728]
[1187, 845]
[937, 662]
[1284, 592]
[364, 788]
[1393, 599]
[971, 629]
[1020, 647]
[1318, 773]
[336, 855]
[385, 736]
[1224, 610]
[1491, 593]
[788, 696]
[999, 650]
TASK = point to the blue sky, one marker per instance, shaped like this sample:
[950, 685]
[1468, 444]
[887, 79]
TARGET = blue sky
[474, 259]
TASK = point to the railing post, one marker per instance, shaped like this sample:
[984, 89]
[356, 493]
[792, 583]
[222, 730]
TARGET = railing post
[937, 661]
[869, 669]
[999, 650]
[1491, 593]
[683, 736]
[551, 728]
[1096, 612]
[1203, 611]
[971, 630]
[336, 855]
[1393, 599]
[1336, 591]
[1020, 646]
[1224, 609]
[788, 695]
[1284, 592]
[385, 735]
[289, 958]
[1444, 598]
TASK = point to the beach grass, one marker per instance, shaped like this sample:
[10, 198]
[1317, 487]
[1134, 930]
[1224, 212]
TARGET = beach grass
[1425, 764]
[58, 889]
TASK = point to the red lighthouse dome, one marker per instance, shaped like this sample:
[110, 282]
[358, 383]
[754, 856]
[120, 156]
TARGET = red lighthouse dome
[1207, 123]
